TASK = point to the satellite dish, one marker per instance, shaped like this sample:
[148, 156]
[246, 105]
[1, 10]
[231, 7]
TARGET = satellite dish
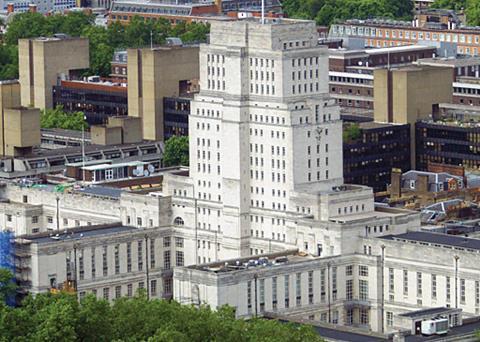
[150, 168]
[146, 173]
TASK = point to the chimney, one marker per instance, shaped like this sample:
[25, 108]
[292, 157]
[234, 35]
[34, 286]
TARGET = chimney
[10, 8]
[422, 184]
[32, 8]
[218, 3]
[396, 183]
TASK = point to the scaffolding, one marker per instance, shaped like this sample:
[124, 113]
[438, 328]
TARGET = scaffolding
[6, 250]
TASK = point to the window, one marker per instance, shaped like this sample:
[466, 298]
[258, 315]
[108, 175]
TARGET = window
[310, 287]
[129, 257]
[152, 253]
[104, 261]
[49, 218]
[286, 281]
[405, 282]
[166, 260]
[118, 292]
[434, 286]
[81, 267]
[364, 315]
[262, 294]
[462, 291]
[349, 289]
[106, 293]
[334, 283]
[363, 289]
[166, 241]
[178, 221]
[167, 286]
[348, 269]
[129, 290]
[34, 219]
[249, 296]
[274, 293]
[298, 289]
[139, 221]
[363, 271]
[140, 255]
[447, 288]
[153, 288]
[389, 318]
[93, 263]
[179, 258]
[117, 259]
[419, 284]
[391, 280]
[179, 242]
[322, 285]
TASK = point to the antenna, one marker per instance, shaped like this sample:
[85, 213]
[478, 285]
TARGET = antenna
[263, 12]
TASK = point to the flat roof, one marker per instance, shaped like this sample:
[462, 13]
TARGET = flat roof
[437, 238]
[374, 124]
[111, 166]
[78, 233]
[429, 311]
[66, 133]
[450, 62]
[60, 152]
[251, 262]
[101, 191]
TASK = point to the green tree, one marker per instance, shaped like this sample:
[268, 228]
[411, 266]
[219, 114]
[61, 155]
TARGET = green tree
[351, 132]
[450, 4]
[94, 320]
[7, 285]
[26, 25]
[473, 12]
[57, 118]
[325, 12]
[59, 317]
[176, 151]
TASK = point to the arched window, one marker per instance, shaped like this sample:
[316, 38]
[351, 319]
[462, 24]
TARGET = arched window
[178, 221]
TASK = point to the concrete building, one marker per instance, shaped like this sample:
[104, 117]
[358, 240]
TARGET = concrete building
[265, 154]
[342, 290]
[20, 131]
[109, 261]
[352, 72]
[97, 98]
[43, 62]
[44, 7]
[154, 74]
[408, 94]
[369, 157]
[382, 33]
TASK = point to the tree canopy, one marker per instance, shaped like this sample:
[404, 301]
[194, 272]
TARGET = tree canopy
[471, 8]
[57, 118]
[103, 41]
[176, 151]
[7, 285]
[60, 317]
[325, 12]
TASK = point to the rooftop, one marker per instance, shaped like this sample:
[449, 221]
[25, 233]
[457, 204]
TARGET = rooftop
[438, 239]
[101, 191]
[450, 62]
[78, 233]
[424, 312]
[251, 262]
